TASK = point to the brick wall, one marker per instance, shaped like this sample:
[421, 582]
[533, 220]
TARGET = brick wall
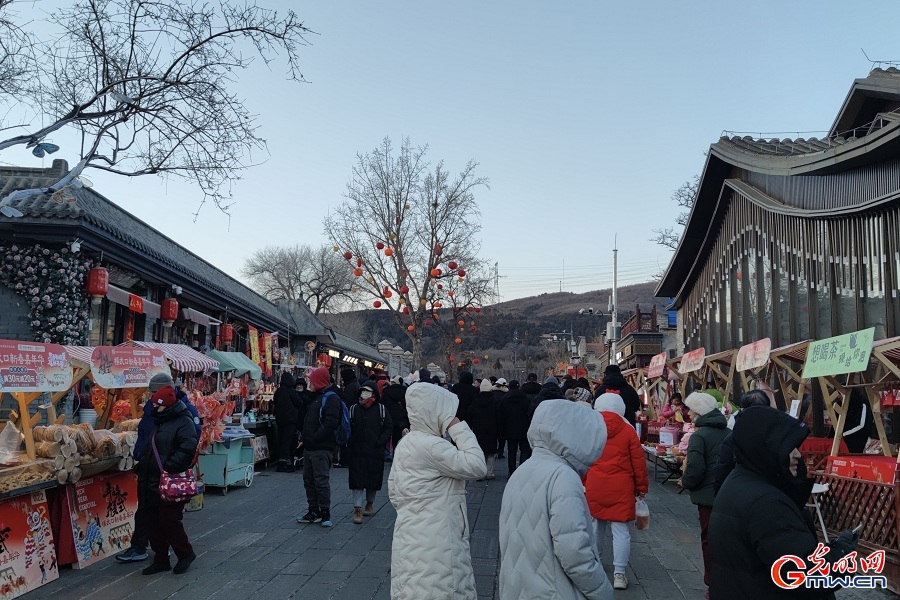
[14, 322]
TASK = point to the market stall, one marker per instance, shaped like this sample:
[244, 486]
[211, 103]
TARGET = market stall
[656, 390]
[752, 363]
[718, 372]
[687, 370]
[787, 363]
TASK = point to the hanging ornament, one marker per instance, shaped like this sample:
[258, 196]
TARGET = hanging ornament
[461, 272]
[377, 304]
[460, 279]
[435, 315]
[348, 255]
[405, 310]
[485, 357]
[353, 289]
[392, 236]
[452, 264]
[358, 262]
[358, 272]
[450, 293]
[438, 305]
[475, 360]
[380, 245]
[478, 309]
[335, 249]
[370, 279]
[401, 300]
[458, 340]
[423, 302]
[450, 358]
[435, 272]
[460, 322]
[410, 328]
[406, 206]
[440, 286]
[404, 289]
[438, 250]
[388, 252]
[470, 308]
[473, 328]
[427, 321]
[388, 293]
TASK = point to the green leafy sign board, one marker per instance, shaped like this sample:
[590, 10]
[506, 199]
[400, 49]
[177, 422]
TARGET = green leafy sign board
[848, 353]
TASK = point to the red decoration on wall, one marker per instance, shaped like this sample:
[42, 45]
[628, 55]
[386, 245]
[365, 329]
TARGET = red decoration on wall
[168, 310]
[98, 282]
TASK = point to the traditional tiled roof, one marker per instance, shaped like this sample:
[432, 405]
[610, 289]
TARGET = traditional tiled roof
[356, 347]
[84, 205]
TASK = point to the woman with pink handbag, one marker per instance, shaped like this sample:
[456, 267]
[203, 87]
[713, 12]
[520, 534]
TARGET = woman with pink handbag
[163, 484]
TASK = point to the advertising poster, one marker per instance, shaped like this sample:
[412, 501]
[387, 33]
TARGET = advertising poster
[848, 353]
[657, 365]
[692, 361]
[754, 356]
[102, 511]
[34, 367]
[267, 338]
[114, 367]
[27, 557]
[252, 341]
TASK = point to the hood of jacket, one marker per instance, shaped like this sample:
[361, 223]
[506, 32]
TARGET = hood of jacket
[515, 394]
[466, 377]
[287, 380]
[614, 382]
[572, 431]
[763, 440]
[713, 418]
[430, 408]
[176, 410]
[551, 390]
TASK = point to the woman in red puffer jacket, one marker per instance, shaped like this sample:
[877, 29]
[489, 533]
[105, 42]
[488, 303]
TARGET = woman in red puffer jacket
[614, 481]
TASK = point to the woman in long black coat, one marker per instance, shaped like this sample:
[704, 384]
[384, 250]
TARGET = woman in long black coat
[370, 429]
[174, 438]
[484, 420]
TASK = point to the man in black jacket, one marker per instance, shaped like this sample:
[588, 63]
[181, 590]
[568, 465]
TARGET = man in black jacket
[394, 400]
[549, 391]
[759, 514]
[614, 383]
[725, 465]
[531, 387]
[323, 417]
[288, 404]
[466, 391]
[514, 422]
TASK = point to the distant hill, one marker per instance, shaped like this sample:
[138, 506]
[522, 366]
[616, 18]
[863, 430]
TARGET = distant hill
[498, 325]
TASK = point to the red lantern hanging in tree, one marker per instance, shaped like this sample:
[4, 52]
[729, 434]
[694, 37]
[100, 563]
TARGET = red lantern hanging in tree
[452, 264]
[460, 322]
[440, 286]
[358, 262]
[358, 272]
[404, 289]
[405, 310]
[427, 322]
[475, 361]
[435, 272]
[388, 252]
[461, 272]
[379, 245]
[438, 250]
[377, 304]
[410, 327]
[470, 308]
[348, 255]
[478, 309]
[168, 311]
[97, 284]
[458, 341]
[473, 328]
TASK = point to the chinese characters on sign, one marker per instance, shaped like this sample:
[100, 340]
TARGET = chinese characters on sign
[692, 361]
[102, 512]
[848, 353]
[753, 356]
[657, 365]
[253, 342]
[852, 571]
[114, 367]
[34, 367]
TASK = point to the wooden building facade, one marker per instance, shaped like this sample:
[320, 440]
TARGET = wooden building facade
[796, 239]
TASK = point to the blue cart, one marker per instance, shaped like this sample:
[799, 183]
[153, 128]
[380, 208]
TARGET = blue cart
[228, 465]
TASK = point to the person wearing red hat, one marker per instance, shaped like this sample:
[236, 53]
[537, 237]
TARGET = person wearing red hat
[323, 417]
[174, 440]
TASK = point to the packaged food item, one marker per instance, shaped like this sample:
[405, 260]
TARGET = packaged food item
[642, 514]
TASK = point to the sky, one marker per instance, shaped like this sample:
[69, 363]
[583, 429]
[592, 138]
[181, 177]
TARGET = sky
[584, 115]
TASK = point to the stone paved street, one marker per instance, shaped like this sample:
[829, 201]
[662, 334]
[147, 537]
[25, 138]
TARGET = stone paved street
[250, 546]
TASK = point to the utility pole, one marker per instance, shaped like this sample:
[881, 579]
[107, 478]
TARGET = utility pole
[613, 309]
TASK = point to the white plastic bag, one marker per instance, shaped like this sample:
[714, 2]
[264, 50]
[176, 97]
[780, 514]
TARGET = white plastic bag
[642, 514]
[10, 442]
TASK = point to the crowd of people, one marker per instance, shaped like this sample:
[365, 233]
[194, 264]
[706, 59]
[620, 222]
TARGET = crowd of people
[576, 470]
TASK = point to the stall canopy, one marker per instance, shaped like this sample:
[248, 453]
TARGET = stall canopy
[237, 362]
[184, 359]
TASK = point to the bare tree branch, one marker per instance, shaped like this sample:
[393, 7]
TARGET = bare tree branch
[148, 84]
[404, 226]
[684, 197]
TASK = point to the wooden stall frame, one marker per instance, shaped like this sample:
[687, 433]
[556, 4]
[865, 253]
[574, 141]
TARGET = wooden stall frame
[674, 367]
[718, 370]
[784, 361]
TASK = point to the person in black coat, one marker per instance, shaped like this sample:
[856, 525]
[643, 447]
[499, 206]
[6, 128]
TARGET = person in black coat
[725, 464]
[614, 383]
[394, 400]
[288, 405]
[173, 444]
[465, 391]
[483, 418]
[501, 388]
[531, 387]
[859, 422]
[549, 391]
[323, 417]
[370, 430]
[514, 422]
[759, 514]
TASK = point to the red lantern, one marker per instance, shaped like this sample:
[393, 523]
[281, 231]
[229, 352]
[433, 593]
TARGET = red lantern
[474, 328]
[476, 361]
[410, 328]
[168, 311]
[358, 262]
[458, 341]
[477, 309]
[450, 293]
[438, 305]
[438, 249]
[98, 283]
[452, 264]
[388, 252]
[427, 322]
[380, 246]
[404, 289]
[470, 308]
[440, 286]
[377, 304]
[460, 322]
[461, 272]
[358, 272]
[348, 255]
[435, 272]
[227, 334]
[388, 293]
[405, 310]
[324, 360]
[451, 358]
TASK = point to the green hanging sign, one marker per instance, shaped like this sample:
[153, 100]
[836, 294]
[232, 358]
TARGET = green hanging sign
[839, 355]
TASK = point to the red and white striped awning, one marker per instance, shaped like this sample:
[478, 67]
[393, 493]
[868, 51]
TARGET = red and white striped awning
[183, 358]
[81, 354]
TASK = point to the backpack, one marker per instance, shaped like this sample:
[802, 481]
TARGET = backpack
[342, 433]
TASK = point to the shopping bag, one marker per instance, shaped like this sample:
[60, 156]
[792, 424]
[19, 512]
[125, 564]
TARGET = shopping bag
[642, 514]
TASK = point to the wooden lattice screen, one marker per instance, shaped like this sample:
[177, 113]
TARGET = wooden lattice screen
[850, 502]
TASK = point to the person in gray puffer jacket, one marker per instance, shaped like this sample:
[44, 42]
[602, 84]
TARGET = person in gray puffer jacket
[546, 546]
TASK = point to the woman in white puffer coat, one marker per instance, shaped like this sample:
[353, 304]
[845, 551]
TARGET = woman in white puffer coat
[546, 540]
[430, 557]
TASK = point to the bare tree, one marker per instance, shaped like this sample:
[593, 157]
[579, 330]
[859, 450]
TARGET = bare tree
[352, 324]
[684, 197]
[314, 276]
[457, 315]
[405, 228]
[148, 85]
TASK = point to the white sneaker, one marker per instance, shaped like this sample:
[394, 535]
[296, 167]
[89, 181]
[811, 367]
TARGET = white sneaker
[619, 581]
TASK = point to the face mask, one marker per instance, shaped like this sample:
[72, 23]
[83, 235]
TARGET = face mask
[365, 395]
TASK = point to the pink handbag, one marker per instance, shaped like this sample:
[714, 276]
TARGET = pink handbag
[177, 487]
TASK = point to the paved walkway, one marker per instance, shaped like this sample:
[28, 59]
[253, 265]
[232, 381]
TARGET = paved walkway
[250, 546]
